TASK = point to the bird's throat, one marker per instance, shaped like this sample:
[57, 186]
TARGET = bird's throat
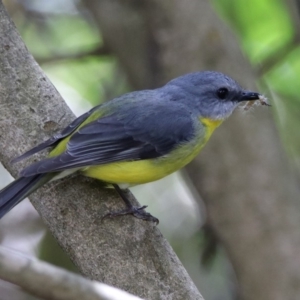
[210, 125]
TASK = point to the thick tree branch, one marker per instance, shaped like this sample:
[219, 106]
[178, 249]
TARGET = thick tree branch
[49, 282]
[125, 252]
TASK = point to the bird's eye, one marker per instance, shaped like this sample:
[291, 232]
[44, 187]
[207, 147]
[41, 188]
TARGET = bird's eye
[222, 93]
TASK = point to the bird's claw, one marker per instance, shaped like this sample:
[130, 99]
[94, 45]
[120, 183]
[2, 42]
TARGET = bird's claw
[137, 212]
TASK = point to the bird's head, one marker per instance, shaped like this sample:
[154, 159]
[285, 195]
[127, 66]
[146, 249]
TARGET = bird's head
[212, 94]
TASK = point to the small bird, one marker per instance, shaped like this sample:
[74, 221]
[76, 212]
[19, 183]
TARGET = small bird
[136, 138]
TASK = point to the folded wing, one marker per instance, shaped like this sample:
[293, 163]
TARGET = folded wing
[113, 138]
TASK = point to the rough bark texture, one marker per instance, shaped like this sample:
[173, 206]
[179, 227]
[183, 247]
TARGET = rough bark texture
[243, 174]
[125, 252]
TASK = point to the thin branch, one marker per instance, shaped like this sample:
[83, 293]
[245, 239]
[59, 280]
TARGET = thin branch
[99, 51]
[281, 54]
[49, 282]
[277, 57]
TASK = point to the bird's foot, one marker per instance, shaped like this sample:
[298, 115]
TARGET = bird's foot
[137, 212]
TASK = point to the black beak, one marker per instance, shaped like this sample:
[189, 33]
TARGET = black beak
[249, 96]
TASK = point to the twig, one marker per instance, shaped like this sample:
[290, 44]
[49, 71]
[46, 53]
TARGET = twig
[281, 54]
[101, 50]
[49, 282]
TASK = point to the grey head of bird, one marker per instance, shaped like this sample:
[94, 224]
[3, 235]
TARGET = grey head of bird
[212, 94]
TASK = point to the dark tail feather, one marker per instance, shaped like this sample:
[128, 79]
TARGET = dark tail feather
[19, 189]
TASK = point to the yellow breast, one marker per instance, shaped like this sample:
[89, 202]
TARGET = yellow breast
[142, 171]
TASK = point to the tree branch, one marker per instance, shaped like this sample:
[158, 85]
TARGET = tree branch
[278, 57]
[49, 282]
[125, 252]
[58, 57]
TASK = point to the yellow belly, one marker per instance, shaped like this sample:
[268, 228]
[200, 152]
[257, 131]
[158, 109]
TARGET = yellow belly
[142, 171]
[139, 171]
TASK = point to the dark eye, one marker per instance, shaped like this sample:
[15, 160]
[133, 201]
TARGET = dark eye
[222, 93]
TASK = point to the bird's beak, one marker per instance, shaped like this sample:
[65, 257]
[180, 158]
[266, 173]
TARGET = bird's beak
[249, 96]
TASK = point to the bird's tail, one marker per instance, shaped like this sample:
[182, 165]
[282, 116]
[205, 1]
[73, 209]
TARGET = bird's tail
[19, 189]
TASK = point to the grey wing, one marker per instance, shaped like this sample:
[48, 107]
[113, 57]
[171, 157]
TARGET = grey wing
[111, 139]
[57, 137]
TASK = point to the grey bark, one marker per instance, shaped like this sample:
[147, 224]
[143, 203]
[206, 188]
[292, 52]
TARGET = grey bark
[125, 252]
[243, 174]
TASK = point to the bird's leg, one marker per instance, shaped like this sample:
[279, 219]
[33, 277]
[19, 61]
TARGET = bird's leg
[137, 212]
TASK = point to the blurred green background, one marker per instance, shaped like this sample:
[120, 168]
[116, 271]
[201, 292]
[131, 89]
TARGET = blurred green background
[65, 41]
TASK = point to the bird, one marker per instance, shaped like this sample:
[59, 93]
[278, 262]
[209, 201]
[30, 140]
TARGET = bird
[139, 137]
